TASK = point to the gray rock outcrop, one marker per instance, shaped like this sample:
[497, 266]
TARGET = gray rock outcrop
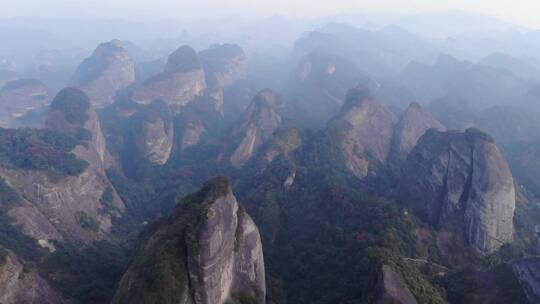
[256, 126]
[77, 208]
[19, 285]
[391, 288]
[207, 252]
[108, 70]
[413, 123]
[224, 64]
[155, 133]
[462, 175]
[364, 130]
[182, 80]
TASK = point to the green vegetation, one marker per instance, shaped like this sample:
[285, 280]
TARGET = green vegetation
[89, 274]
[39, 150]
[74, 104]
[87, 222]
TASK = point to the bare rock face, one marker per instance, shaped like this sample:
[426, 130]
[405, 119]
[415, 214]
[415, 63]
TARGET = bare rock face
[528, 273]
[192, 134]
[18, 285]
[364, 130]
[414, 123]
[74, 207]
[257, 126]
[107, 70]
[208, 252]
[284, 142]
[224, 64]
[391, 288]
[462, 175]
[19, 97]
[182, 80]
[155, 133]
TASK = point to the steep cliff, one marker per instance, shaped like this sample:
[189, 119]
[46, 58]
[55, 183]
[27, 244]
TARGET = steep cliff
[223, 64]
[364, 130]
[413, 123]
[182, 80]
[154, 133]
[19, 285]
[107, 70]
[391, 288]
[207, 252]
[463, 176]
[19, 97]
[77, 203]
[256, 126]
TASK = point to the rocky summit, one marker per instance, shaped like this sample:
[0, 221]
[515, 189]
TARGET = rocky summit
[462, 175]
[364, 129]
[182, 80]
[208, 251]
[108, 70]
[75, 202]
[256, 126]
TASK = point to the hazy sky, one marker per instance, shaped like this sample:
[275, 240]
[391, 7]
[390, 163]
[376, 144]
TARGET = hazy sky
[522, 12]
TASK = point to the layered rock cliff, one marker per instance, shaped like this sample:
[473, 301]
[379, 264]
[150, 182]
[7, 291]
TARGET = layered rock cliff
[78, 204]
[182, 80]
[107, 70]
[207, 252]
[462, 176]
[364, 130]
[256, 126]
[19, 97]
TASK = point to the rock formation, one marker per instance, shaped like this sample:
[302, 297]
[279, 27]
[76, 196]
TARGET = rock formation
[76, 207]
[19, 285]
[284, 143]
[256, 126]
[107, 70]
[413, 123]
[528, 273]
[182, 80]
[391, 288]
[20, 97]
[154, 133]
[462, 175]
[223, 64]
[207, 252]
[364, 130]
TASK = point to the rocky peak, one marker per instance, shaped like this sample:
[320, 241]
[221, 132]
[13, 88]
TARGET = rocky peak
[107, 70]
[208, 251]
[413, 123]
[364, 129]
[256, 126]
[180, 83]
[184, 59]
[78, 205]
[19, 97]
[155, 132]
[462, 176]
[224, 64]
